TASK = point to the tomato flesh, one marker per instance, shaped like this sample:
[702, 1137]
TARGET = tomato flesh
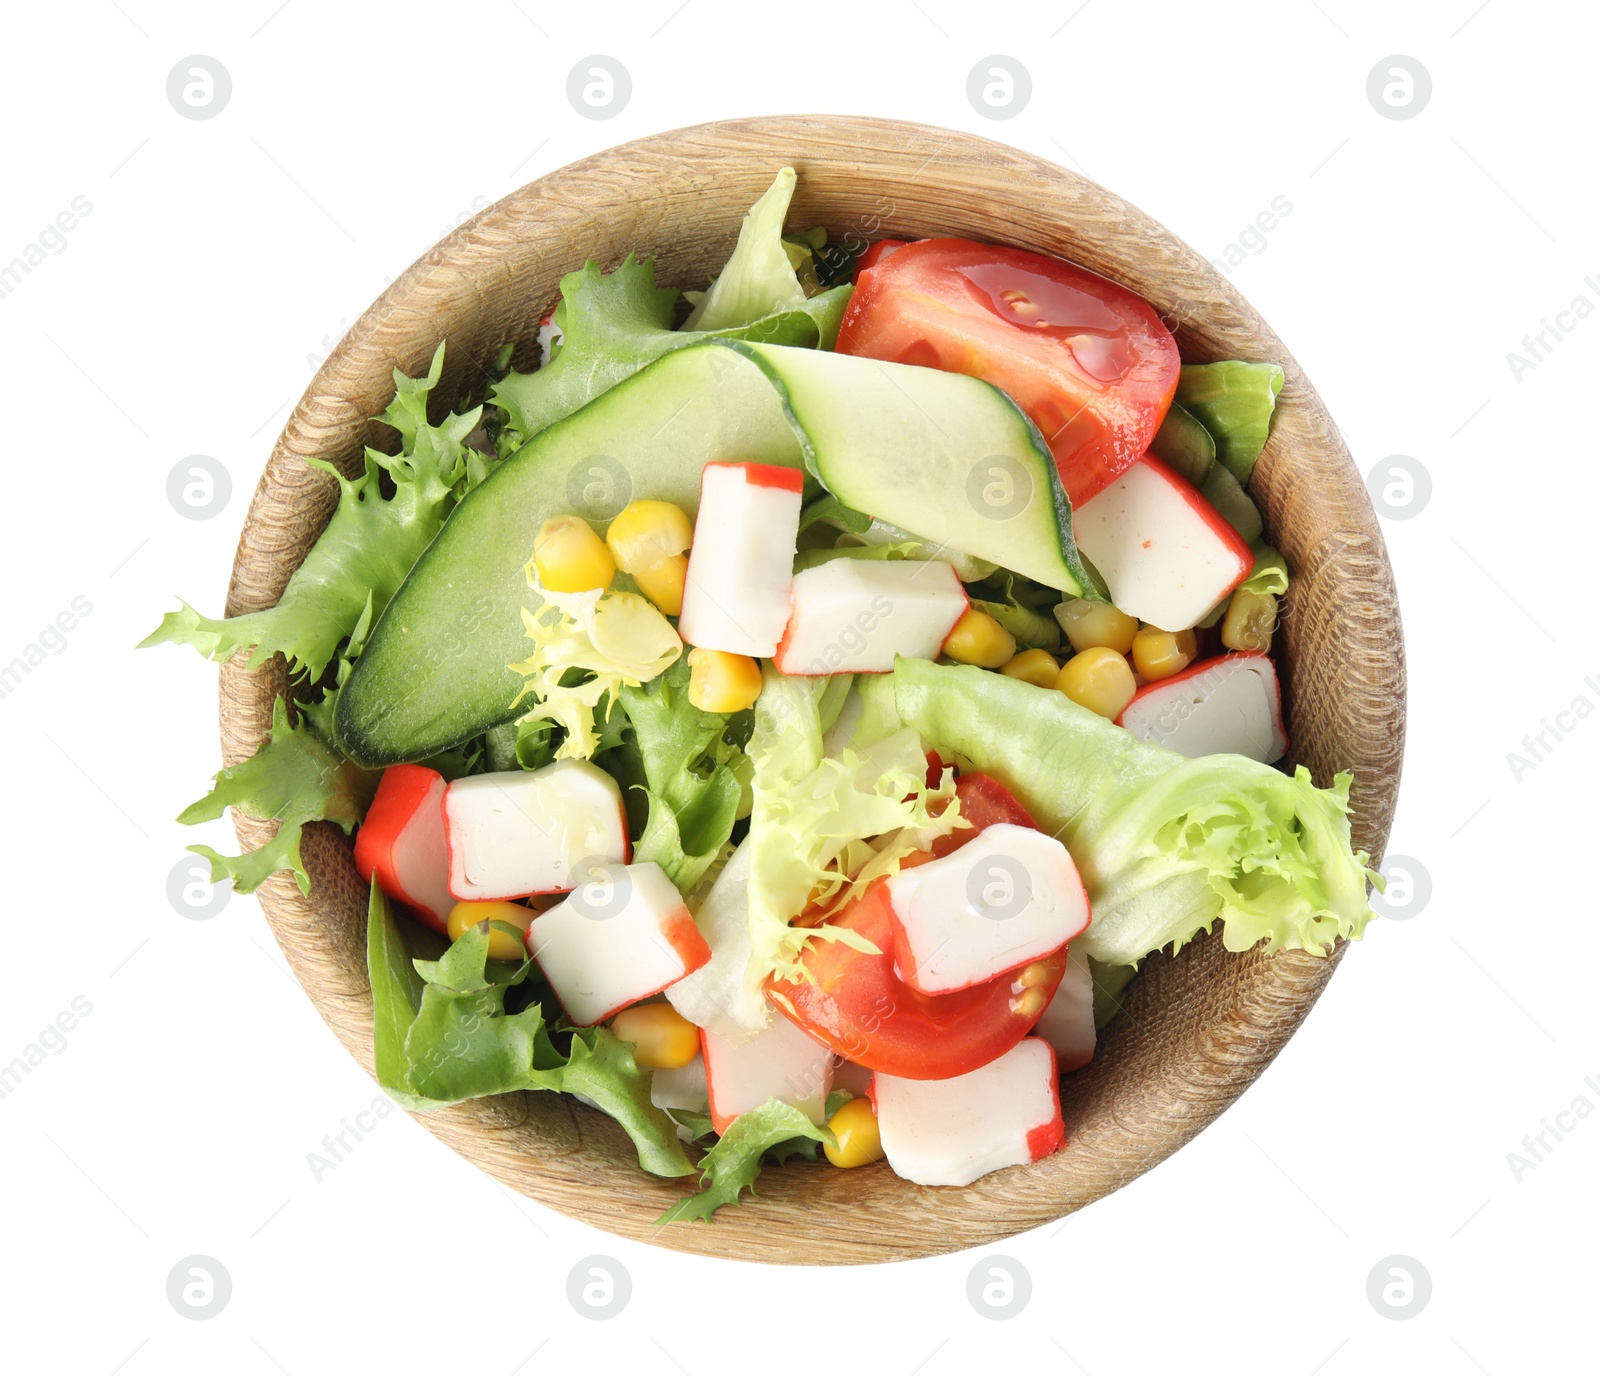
[1088, 361]
[856, 1004]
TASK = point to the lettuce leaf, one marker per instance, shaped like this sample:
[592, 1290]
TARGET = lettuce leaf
[607, 641]
[613, 323]
[1234, 401]
[1166, 846]
[692, 782]
[731, 1167]
[367, 548]
[443, 1034]
[760, 277]
[822, 828]
[294, 778]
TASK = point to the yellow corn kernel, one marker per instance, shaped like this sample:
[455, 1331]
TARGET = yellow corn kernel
[723, 682]
[1037, 667]
[1092, 624]
[569, 557]
[663, 1039]
[1098, 679]
[1030, 1002]
[502, 946]
[855, 1127]
[979, 639]
[663, 582]
[1250, 621]
[1160, 654]
[645, 533]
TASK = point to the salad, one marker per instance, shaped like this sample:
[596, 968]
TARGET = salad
[787, 716]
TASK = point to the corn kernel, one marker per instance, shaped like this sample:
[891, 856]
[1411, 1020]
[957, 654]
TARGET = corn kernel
[855, 1128]
[1037, 667]
[1098, 679]
[723, 682]
[979, 639]
[1160, 654]
[663, 582]
[1031, 976]
[1092, 624]
[502, 945]
[570, 557]
[663, 1039]
[1030, 1002]
[1250, 621]
[645, 533]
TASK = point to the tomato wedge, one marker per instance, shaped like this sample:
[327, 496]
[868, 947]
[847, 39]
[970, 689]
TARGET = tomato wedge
[856, 1004]
[1089, 361]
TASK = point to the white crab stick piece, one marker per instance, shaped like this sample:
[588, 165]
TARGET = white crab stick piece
[528, 831]
[619, 938]
[1166, 555]
[1008, 896]
[402, 842]
[1068, 1019]
[853, 616]
[951, 1132]
[1229, 705]
[781, 1063]
[718, 996]
[736, 591]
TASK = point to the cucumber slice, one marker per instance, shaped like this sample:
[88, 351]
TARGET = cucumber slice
[1233, 503]
[947, 456]
[1184, 445]
[888, 439]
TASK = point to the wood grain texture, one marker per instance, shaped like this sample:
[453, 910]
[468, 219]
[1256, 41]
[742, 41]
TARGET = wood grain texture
[1198, 1028]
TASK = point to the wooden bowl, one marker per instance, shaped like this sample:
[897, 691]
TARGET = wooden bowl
[1196, 1030]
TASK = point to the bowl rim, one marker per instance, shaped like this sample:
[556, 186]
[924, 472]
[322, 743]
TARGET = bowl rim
[1306, 475]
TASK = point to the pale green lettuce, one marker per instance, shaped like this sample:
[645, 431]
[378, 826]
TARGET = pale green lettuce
[760, 277]
[1165, 845]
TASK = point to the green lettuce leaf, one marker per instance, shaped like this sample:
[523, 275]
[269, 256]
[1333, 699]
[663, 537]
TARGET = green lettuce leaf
[760, 277]
[294, 778]
[1023, 607]
[1271, 573]
[460, 1041]
[692, 784]
[1234, 401]
[366, 550]
[396, 1000]
[822, 828]
[1165, 845]
[613, 323]
[731, 1167]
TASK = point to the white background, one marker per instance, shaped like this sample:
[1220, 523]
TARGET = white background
[185, 315]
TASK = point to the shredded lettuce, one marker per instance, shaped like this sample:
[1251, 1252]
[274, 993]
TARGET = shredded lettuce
[613, 640]
[294, 778]
[691, 774]
[367, 549]
[776, 1129]
[442, 1034]
[814, 819]
[1165, 845]
[613, 323]
[1234, 401]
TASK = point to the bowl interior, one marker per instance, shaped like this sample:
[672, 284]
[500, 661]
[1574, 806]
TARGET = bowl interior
[1195, 1029]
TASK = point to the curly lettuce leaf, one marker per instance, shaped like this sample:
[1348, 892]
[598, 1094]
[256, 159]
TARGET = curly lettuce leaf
[613, 323]
[607, 641]
[294, 778]
[443, 1035]
[822, 828]
[731, 1167]
[1166, 845]
[366, 550]
[692, 783]
[1234, 401]
[760, 277]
